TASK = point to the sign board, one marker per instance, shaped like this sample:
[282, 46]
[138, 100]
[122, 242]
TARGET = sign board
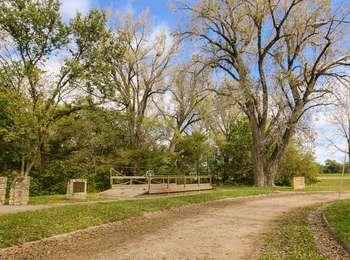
[298, 183]
[78, 186]
[76, 189]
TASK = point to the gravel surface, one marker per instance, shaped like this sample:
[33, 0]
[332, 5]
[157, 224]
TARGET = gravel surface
[6, 209]
[325, 242]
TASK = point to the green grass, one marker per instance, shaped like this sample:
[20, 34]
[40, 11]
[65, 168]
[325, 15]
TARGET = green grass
[347, 174]
[59, 198]
[291, 238]
[330, 184]
[338, 217]
[33, 225]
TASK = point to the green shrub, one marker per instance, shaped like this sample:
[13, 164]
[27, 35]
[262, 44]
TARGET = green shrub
[297, 163]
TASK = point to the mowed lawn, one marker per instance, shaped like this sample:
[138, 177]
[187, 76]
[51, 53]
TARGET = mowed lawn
[291, 238]
[60, 198]
[34, 225]
[338, 217]
[334, 175]
[327, 182]
[331, 182]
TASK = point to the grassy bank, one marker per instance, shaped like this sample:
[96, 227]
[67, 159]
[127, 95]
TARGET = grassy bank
[291, 238]
[333, 183]
[224, 190]
[59, 198]
[347, 174]
[33, 225]
[329, 182]
[338, 216]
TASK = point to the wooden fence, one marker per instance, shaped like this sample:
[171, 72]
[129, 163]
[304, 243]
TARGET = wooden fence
[163, 183]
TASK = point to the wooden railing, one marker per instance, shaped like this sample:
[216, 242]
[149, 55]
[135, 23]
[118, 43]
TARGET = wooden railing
[165, 183]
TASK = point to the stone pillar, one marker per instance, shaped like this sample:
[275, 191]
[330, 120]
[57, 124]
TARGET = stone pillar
[76, 189]
[3, 183]
[298, 183]
[19, 193]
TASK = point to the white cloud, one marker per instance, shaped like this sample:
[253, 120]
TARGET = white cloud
[324, 152]
[70, 7]
[325, 131]
[53, 65]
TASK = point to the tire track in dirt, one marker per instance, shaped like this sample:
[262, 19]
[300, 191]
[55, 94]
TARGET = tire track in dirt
[224, 229]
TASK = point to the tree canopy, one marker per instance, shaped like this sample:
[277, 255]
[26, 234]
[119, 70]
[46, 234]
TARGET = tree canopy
[108, 91]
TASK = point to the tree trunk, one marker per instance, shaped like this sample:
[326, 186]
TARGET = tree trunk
[29, 168]
[349, 151]
[258, 153]
[23, 166]
[271, 172]
[259, 170]
[172, 145]
[258, 161]
[42, 156]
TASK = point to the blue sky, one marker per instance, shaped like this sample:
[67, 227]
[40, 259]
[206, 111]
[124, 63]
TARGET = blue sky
[159, 10]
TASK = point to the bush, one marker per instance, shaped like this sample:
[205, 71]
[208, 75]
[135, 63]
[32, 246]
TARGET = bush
[332, 166]
[297, 163]
[232, 163]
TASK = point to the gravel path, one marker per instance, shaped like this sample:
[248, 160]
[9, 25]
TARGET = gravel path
[325, 242]
[6, 209]
[225, 229]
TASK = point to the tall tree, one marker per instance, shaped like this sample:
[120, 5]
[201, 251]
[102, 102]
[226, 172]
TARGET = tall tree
[34, 34]
[276, 59]
[188, 89]
[219, 112]
[129, 82]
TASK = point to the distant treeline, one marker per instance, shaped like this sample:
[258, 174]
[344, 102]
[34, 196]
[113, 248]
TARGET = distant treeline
[333, 166]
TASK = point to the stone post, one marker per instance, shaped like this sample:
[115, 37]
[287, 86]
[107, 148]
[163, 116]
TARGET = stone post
[3, 183]
[19, 193]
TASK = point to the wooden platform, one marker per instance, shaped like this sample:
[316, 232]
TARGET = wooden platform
[132, 186]
[164, 188]
[125, 191]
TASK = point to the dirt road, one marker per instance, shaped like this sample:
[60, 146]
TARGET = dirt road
[226, 229]
[6, 209]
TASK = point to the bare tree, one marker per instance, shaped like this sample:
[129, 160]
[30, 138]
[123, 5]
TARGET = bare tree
[129, 80]
[189, 86]
[339, 117]
[277, 54]
[219, 112]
